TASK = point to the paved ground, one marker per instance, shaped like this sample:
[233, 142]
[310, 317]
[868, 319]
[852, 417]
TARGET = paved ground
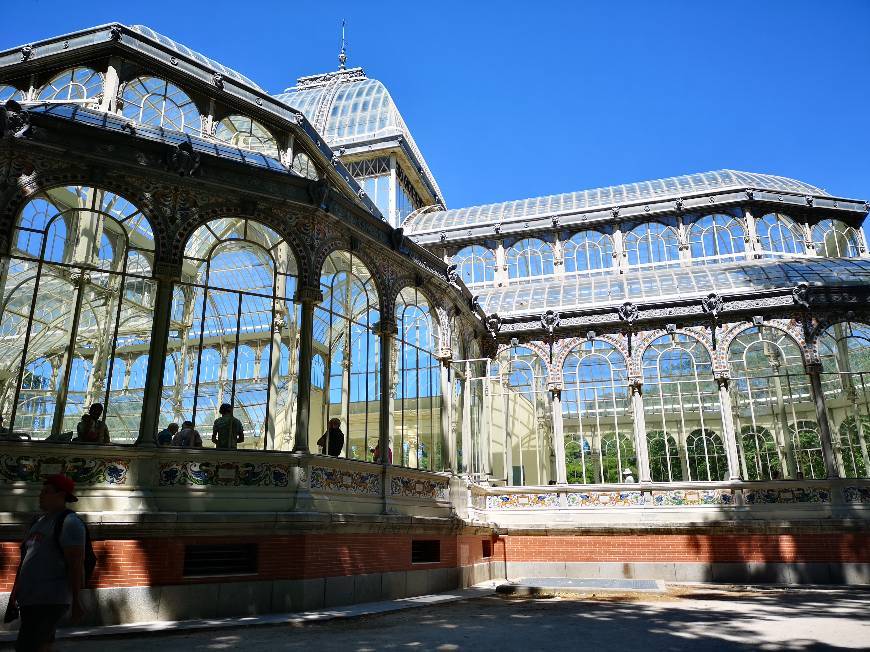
[697, 620]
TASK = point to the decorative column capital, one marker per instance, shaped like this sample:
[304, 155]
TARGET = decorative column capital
[635, 384]
[555, 388]
[308, 295]
[813, 367]
[386, 327]
[80, 278]
[722, 378]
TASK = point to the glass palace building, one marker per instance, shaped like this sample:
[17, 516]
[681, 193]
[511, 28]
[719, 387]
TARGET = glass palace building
[683, 356]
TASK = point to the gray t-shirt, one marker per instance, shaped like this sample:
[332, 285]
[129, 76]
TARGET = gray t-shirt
[42, 579]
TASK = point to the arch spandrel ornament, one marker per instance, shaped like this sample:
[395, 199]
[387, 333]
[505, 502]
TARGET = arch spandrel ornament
[566, 346]
[699, 333]
[278, 218]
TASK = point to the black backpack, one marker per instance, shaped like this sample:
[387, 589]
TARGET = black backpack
[90, 557]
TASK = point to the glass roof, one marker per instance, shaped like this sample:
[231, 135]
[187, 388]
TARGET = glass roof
[577, 292]
[346, 107]
[192, 54]
[597, 198]
[114, 122]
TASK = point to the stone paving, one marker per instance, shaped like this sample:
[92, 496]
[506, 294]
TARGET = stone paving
[697, 619]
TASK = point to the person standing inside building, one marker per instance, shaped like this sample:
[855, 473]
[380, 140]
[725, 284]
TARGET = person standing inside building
[227, 431]
[90, 429]
[332, 440]
[52, 570]
[164, 437]
[187, 437]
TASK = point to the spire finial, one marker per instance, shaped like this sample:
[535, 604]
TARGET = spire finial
[342, 55]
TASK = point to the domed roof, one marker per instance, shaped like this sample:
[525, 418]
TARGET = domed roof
[146, 31]
[346, 107]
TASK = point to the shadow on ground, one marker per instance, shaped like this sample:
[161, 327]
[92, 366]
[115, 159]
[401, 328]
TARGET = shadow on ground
[706, 620]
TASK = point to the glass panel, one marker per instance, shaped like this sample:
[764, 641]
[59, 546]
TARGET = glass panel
[77, 317]
[158, 103]
[416, 387]
[233, 337]
[681, 406]
[770, 392]
[596, 415]
[345, 336]
[845, 352]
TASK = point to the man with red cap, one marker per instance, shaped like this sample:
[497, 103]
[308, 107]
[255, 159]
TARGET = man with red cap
[52, 572]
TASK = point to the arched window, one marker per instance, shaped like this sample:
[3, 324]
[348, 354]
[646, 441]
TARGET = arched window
[717, 238]
[780, 235]
[769, 390]
[664, 457]
[66, 289]
[652, 243]
[475, 264]
[138, 372]
[836, 239]
[318, 371]
[845, 352]
[345, 335]
[807, 445]
[304, 167]
[588, 251]
[236, 297]
[210, 366]
[158, 103]
[706, 455]
[596, 413]
[11, 93]
[530, 257]
[680, 398]
[416, 441]
[245, 133]
[77, 84]
[518, 422]
[759, 454]
[244, 360]
[36, 403]
[851, 438]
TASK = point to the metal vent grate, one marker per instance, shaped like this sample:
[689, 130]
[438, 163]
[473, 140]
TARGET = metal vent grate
[426, 551]
[227, 559]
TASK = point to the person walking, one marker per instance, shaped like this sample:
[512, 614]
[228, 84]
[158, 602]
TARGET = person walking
[227, 431]
[52, 570]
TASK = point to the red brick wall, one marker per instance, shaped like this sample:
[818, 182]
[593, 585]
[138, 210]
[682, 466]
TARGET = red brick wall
[152, 562]
[160, 561]
[771, 548]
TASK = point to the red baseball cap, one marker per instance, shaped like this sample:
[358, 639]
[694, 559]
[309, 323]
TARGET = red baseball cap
[64, 484]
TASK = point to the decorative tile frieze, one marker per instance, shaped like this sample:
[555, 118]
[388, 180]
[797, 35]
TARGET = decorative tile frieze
[345, 481]
[787, 496]
[405, 487]
[231, 474]
[86, 471]
[693, 497]
[605, 499]
[856, 495]
[523, 501]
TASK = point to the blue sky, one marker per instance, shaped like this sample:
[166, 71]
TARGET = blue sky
[511, 100]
